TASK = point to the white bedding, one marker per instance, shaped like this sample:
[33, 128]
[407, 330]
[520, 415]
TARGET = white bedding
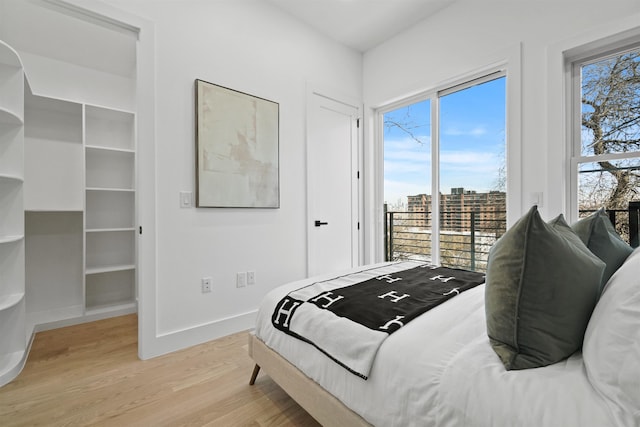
[439, 370]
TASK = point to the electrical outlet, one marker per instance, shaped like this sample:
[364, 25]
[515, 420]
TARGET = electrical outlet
[206, 285]
[241, 280]
[251, 277]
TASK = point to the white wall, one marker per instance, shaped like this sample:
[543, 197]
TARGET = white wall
[250, 46]
[470, 35]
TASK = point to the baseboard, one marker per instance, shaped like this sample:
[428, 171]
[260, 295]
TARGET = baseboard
[169, 342]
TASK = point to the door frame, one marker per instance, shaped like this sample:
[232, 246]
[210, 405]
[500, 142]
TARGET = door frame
[103, 13]
[314, 91]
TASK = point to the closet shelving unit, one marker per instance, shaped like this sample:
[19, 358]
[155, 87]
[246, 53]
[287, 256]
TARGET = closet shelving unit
[13, 339]
[68, 178]
[80, 211]
[110, 209]
[53, 209]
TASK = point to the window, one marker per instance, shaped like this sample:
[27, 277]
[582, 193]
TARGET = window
[606, 141]
[451, 144]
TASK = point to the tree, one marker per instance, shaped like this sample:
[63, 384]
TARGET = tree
[407, 123]
[611, 124]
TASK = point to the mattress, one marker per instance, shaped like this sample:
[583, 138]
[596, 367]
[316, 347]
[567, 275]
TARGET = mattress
[439, 370]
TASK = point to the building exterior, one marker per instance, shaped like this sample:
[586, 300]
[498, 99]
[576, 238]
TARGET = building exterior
[489, 209]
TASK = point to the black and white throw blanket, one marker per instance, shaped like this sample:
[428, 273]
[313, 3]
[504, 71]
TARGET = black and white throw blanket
[348, 317]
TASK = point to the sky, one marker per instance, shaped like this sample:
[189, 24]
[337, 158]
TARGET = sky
[472, 143]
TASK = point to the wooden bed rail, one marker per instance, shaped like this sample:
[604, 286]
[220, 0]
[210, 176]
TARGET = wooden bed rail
[319, 403]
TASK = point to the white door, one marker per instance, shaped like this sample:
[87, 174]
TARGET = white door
[332, 179]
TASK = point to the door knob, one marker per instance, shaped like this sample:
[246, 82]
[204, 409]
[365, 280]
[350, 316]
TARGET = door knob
[319, 223]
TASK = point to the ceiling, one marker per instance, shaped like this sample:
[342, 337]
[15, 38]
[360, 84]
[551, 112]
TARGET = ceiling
[361, 24]
[38, 27]
[45, 28]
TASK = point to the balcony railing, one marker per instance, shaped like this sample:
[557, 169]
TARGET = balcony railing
[625, 221]
[467, 236]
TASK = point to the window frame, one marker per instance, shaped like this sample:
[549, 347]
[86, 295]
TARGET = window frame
[433, 96]
[589, 54]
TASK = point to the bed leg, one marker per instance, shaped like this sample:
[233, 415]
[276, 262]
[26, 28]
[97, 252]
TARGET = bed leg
[256, 369]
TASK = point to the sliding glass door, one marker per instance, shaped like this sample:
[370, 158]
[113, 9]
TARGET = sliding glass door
[407, 180]
[445, 174]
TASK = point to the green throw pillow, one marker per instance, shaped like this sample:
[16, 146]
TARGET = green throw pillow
[597, 232]
[541, 287]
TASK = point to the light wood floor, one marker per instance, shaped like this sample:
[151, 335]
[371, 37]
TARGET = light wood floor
[90, 375]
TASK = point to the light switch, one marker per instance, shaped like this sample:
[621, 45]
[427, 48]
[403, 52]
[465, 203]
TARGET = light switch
[186, 199]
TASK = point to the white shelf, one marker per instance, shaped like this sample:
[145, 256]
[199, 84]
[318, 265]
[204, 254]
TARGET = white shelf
[121, 308]
[11, 364]
[110, 269]
[11, 178]
[9, 301]
[11, 87]
[8, 362]
[109, 230]
[48, 210]
[8, 117]
[11, 173]
[11, 239]
[13, 345]
[12, 273]
[8, 56]
[113, 189]
[11, 145]
[12, 324]
[103, 148]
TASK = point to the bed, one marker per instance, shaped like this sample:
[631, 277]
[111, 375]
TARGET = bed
[442, 370]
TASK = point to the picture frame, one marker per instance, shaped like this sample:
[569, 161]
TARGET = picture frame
[237, 149]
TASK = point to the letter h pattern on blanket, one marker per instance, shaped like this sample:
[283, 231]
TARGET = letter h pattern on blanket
[381, 304]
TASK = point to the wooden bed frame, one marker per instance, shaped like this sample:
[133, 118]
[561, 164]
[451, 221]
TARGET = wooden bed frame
[319, 403]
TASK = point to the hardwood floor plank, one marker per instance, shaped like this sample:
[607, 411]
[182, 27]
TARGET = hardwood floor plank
[90, 374]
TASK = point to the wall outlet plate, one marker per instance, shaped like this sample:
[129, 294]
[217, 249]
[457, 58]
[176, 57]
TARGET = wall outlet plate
[206, 285]
[251, 277]
[241, 280]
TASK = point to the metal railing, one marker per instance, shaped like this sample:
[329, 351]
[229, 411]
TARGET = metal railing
[625, 221]
[467, 236]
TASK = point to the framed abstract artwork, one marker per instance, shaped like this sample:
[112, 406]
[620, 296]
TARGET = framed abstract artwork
[237, 149]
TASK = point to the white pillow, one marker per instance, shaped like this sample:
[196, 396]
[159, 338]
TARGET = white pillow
[611, 347]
